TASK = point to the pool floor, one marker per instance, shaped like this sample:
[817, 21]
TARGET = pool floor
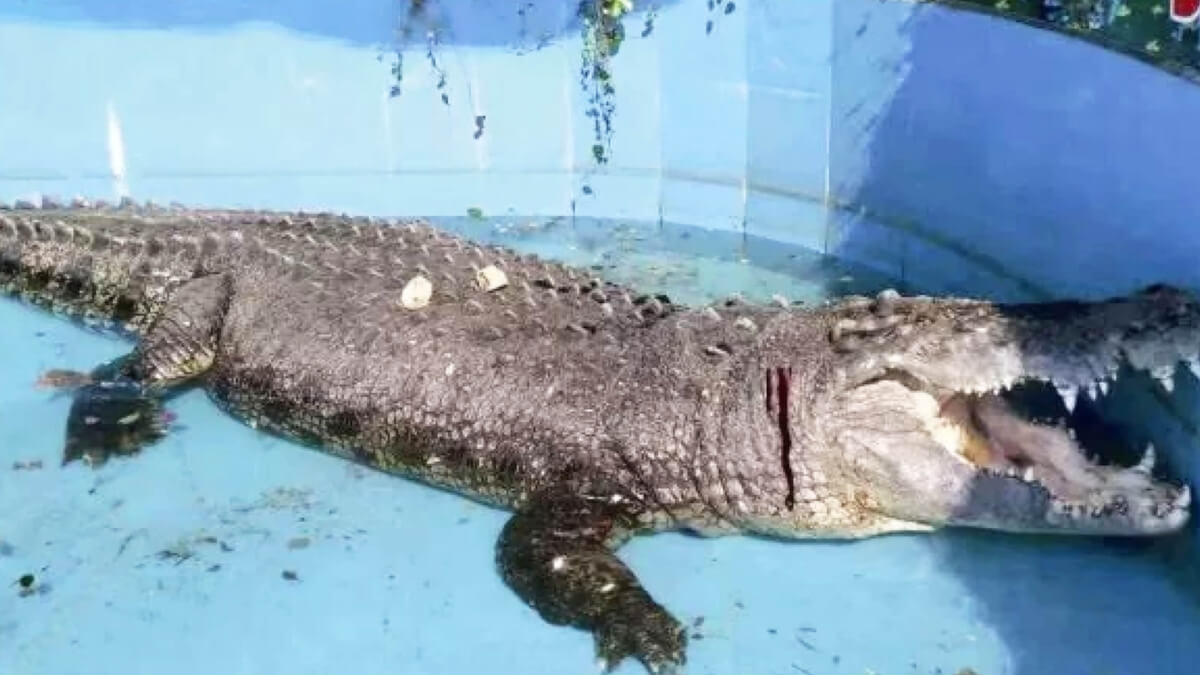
[223, 550]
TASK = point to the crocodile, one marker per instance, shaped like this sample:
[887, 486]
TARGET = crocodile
[590, 411]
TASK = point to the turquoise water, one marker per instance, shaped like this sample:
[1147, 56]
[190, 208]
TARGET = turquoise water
[175, 561]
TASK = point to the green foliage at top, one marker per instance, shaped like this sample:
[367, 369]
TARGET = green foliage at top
[1140, 28]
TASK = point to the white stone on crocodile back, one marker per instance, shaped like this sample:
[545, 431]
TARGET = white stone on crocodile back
[416, 292]
[491, 278]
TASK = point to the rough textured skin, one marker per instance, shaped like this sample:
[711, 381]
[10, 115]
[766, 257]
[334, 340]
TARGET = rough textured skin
[592, 411]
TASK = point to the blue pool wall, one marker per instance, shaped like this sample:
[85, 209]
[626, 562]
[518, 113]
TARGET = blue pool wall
[955, 151]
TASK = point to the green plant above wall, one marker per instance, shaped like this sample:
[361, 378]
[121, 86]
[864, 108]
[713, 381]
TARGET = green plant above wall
[1140, 28]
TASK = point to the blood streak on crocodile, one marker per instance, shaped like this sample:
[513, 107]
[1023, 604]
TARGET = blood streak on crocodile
[779, 382]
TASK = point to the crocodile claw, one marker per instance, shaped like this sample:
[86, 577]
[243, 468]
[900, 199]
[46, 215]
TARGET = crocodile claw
[649, 634]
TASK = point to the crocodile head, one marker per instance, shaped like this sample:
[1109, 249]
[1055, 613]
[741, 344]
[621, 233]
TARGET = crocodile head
[944, 410]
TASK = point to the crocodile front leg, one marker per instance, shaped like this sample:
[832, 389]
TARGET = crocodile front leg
[557, 553]
[119, 410]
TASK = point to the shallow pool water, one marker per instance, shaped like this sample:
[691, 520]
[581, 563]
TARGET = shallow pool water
[223, 550]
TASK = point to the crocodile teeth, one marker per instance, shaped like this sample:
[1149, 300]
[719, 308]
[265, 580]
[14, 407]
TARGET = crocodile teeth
[1146, 465]
[1167, 383]
[1184, 498]
[1092, 392]
[1194, 366]
[1028, 475]
[1165, 377]
[1069, 395]
[1103, 385]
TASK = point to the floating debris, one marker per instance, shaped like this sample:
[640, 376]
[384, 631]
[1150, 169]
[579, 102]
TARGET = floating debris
[28, 585]
[63, 379]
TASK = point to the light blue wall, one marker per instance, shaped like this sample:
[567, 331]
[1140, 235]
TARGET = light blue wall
[960, 153]
[1067, 166]
[940, 164]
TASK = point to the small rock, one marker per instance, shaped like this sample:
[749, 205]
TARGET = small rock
[416, 293]
[28, 586]
[298, 542]
[491, 278]
[289, 575]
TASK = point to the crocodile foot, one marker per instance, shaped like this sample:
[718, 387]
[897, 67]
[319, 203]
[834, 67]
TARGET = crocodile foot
[112, 417]
[557, 554]
[641, 629]
[118, 407]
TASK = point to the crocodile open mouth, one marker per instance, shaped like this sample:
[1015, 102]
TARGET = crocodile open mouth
[974, 413]
[1026, 433]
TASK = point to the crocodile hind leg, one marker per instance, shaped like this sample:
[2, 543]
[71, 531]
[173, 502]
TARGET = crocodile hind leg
[557, 554]
[119, 410]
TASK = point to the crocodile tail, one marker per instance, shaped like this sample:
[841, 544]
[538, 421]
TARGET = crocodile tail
[103, 266]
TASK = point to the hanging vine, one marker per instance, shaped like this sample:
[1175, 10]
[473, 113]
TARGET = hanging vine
[603, 33]
[418, 16]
